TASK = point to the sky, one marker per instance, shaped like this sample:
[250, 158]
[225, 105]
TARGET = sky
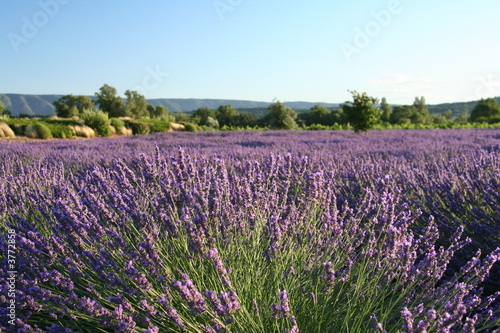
[259, 50]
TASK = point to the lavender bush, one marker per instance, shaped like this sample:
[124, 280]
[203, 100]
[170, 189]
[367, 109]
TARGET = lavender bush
[394, 231]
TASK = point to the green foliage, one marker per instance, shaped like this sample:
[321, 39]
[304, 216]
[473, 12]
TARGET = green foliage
[227, 115]
[157, 125]
[245, 120]
[115, 122]
[486, 111]
[136, 105]
[201, 117]
[139, 127]
[58, 130]
[158, 112]
[189, 127]
[362, 113]
[42, 131]
[281, 116]
[402, 114]
[3, 110]
[181, 117]
[320, 115]
[70, 105]
[110, 103]
[386, 110]
[422, 115]
[98, 121]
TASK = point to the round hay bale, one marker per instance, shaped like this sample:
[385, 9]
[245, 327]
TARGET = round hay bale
[122, 130]
[7, 132]
[177, 127]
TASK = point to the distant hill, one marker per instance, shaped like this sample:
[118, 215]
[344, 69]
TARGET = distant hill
[42, 105]
[457, 108]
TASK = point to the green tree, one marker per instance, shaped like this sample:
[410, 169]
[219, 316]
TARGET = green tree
[386, 110]
[181, 117]
[362, 113]
[109, 102]
[319, 115]
[281, 116]
[226, 115]
[487, 110]
[463, 118]
[136, 104]
[244, 120]
[159, 111]
[200, 116]
[70, 105]
[402, 114]
[422, 115]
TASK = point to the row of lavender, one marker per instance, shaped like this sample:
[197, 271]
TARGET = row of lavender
[255, 232]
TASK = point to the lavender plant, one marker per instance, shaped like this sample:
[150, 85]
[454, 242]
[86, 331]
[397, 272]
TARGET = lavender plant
[254, 232]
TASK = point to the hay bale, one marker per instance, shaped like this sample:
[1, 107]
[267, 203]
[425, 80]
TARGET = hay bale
[6, 131]
[83, 131]
[122, 130]
[177, 127]
[31, 132]
[112, 130]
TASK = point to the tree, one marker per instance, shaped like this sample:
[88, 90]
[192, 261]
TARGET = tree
[402, 114]
[362, 113]
[486, 110]
[201, 117]
[136, 104]
[70, 105]
[319, 115]
[109, 102]
[386, 110]
[159, 111]
[226, 115]
[281, 116]
[245, 119]
[422, 115]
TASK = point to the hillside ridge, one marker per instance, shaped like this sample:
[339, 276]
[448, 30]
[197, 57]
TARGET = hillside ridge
[42, 104]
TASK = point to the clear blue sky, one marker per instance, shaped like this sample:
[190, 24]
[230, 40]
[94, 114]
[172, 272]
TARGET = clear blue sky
[253, 49]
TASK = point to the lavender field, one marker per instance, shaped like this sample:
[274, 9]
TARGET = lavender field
[265, 231]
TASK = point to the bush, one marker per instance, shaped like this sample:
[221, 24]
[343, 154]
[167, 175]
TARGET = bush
[38, 131]
[115, 122]
[140, 128]
[30, 132]
[18, 129]
[59, 131]
[190, 127]
[158, 125]
[98, 121]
